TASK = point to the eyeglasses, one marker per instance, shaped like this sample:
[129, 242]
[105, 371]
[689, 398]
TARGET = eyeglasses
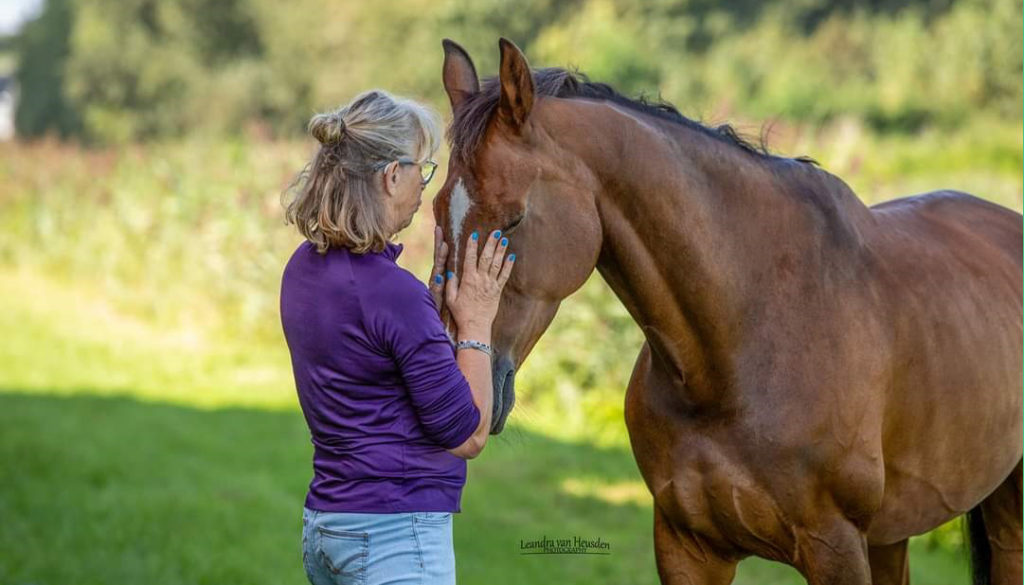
[427, 168]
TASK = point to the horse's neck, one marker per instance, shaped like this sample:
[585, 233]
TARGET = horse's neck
[693, 229]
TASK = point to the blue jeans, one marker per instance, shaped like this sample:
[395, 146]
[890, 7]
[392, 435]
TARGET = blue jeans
[341, 548]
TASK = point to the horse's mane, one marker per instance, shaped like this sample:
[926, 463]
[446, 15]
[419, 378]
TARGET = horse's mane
[466, 132]
[830, 196]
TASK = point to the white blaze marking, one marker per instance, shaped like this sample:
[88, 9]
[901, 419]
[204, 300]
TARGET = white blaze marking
[458, 207]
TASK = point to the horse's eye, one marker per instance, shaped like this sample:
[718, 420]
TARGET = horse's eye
[515, 223]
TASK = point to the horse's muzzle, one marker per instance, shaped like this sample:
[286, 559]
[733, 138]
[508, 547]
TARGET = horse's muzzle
[504, 392]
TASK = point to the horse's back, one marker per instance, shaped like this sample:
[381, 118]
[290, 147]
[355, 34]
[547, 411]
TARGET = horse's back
[963, 212]
[949, 245]
[947, 273]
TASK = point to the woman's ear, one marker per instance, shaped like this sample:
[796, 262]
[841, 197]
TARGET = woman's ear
[390, 177]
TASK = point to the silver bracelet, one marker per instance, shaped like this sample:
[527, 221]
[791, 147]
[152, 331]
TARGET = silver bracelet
[471, 344]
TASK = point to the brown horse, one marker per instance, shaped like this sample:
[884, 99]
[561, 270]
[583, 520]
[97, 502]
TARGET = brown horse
[820, 380]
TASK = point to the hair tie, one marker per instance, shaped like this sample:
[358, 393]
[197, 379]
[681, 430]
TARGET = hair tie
[332, 131]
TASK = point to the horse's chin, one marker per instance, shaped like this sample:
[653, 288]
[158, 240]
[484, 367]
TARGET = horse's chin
[504, 393]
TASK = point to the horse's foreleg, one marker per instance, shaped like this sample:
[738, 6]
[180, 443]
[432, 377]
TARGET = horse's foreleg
[1002, 514]
[890, 564]
[685, 559]
[833, 553]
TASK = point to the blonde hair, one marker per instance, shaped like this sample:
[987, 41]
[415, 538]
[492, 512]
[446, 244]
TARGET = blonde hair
[335, 200]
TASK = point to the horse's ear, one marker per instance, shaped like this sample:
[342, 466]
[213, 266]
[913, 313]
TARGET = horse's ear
[516, 85]
[458, 74]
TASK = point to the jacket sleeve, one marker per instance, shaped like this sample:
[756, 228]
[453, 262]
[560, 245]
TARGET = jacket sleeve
[409, 328]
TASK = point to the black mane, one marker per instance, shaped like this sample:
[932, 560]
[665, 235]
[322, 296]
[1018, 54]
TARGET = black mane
[466, 132]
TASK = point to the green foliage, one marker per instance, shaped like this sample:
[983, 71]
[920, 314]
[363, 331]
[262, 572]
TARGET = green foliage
[140, 69]
[898, 69]
[43, 49]
[612, 46]
[160, 224]
[477, 24]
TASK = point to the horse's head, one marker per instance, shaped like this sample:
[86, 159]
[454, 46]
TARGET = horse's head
[507, 172]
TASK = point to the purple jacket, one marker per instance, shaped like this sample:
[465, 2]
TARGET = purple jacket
[378, 384]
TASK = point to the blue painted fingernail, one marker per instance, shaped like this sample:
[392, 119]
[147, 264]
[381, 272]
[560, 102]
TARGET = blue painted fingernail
[475, 236]
[438, 279]
[449, 275]
[511, 257]
[497, 234]
[504, 241]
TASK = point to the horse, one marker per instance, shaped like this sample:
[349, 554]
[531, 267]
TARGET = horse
[820, 380]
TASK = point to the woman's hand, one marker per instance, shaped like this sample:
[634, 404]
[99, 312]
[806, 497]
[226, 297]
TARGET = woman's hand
[436, 280]
[473, 300]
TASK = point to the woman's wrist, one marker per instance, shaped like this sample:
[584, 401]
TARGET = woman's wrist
[475, 333]
[475, 345]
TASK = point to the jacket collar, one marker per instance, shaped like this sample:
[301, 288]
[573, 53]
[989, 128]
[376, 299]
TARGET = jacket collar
[391, 251]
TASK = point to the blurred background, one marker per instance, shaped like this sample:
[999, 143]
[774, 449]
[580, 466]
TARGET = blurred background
[149, 431]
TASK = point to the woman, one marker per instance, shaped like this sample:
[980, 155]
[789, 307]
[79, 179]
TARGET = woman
[393, 409]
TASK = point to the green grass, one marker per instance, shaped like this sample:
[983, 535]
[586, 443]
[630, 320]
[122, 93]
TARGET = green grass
[115, 490]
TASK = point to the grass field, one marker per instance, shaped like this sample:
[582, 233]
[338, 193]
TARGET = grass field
[104, 490]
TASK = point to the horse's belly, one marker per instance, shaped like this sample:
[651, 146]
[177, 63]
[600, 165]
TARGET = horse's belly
[916, 502]
[948, 442]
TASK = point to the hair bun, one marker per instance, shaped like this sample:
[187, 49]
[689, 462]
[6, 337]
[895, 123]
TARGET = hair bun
[327, 128]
